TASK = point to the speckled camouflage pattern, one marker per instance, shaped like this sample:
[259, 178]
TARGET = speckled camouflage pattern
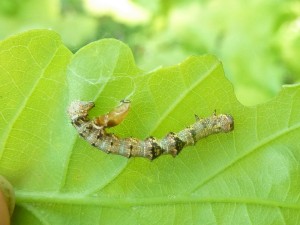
[94, 132]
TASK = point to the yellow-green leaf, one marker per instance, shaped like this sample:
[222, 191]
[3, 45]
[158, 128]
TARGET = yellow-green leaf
[248, 176]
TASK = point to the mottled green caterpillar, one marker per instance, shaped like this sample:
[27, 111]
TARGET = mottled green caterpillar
[94, 132]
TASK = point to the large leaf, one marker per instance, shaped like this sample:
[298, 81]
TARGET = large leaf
[248, 176]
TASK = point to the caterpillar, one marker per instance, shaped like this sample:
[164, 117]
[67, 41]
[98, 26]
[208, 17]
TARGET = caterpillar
[94, 132]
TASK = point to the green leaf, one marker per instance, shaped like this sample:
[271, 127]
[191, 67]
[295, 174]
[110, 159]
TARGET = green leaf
[248, 176]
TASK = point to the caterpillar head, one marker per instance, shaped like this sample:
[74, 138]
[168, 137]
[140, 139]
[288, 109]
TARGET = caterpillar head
[224, 122]
[79, 109]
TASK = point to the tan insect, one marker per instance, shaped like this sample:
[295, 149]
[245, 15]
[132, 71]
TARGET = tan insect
[94, 132]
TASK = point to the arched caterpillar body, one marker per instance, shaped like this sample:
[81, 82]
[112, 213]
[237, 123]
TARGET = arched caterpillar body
[94, 131]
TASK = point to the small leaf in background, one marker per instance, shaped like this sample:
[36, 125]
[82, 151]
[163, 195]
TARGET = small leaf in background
[248, 176]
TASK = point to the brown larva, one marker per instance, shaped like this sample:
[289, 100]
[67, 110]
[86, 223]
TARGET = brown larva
[94, 131]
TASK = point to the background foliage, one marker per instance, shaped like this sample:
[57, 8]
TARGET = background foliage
[257, 41]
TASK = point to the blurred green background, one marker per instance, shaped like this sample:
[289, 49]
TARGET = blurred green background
[257, 41]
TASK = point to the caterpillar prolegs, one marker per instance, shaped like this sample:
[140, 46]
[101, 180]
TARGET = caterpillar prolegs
[94, 132]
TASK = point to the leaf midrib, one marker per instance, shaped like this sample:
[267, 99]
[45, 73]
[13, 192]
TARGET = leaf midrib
[75, 199]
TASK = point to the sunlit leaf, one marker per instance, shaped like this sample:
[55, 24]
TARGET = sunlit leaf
[248, 176]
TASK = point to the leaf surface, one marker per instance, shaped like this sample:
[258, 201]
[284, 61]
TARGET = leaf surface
[248, 176]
